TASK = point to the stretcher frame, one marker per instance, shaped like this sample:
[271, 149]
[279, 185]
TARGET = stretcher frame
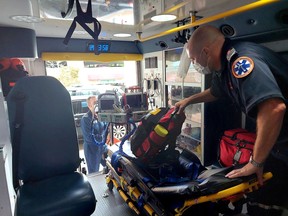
[141, 199]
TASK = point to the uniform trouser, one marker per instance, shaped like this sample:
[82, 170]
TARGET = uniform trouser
[94, 156]
[274, 193]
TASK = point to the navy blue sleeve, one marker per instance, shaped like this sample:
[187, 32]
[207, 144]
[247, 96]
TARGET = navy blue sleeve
[86, 130]
[258, 86]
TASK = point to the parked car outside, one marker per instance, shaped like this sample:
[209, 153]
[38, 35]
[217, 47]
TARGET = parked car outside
[94, 90]
[83, 91]
[79, 105]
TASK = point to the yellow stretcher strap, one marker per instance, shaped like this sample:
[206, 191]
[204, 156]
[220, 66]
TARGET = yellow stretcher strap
[245, 187]
[125, 197]
[121, 182]
[136, 195]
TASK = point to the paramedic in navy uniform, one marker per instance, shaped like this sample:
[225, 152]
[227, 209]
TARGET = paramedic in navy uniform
[93, 153]
[256, 79]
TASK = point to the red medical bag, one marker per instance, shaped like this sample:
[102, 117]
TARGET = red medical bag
[236, 147]
[156, 130]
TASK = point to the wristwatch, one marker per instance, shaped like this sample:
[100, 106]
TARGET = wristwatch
[254, 163]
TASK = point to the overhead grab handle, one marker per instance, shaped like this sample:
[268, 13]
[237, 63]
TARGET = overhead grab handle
[84, 18]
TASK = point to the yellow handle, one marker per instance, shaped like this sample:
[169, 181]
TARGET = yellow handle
[160, 130]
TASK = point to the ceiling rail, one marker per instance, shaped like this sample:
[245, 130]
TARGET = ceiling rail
[209, 19]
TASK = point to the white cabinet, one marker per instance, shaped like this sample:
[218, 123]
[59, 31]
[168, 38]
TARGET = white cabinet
[177, 88]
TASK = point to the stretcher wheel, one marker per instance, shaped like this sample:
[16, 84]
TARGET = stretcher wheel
[110, 185]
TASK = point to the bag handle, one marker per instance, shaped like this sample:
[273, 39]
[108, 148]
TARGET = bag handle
[234, 136]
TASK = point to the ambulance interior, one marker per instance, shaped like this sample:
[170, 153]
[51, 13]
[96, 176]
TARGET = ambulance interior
[38, 31]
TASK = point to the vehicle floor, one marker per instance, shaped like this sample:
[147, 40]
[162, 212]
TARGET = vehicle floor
[109, 203]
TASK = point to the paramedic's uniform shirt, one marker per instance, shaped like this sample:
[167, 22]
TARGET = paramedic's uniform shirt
[93, 153]
[86, 124]
[266, 77]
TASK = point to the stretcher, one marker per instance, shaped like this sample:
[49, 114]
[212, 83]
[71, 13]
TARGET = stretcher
[210, 193]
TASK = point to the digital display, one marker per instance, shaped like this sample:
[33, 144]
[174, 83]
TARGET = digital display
[136, 101]
[107, 104]
[101, 47]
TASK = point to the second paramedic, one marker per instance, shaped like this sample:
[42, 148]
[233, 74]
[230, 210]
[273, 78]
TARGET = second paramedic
[94, 152]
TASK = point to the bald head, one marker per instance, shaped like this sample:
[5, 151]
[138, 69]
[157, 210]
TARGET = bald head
[91, 101]
[205, 47]
[201, 37]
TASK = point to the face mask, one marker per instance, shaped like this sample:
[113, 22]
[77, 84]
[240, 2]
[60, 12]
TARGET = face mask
[202, 70]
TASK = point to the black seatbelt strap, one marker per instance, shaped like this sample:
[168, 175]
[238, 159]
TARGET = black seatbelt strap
[16, 139]
[82, 18]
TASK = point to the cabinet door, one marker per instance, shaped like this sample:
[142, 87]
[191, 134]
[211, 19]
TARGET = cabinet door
[182, 87]
[190, 137]
[174, 94]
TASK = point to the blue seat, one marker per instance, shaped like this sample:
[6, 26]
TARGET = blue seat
[45, 151]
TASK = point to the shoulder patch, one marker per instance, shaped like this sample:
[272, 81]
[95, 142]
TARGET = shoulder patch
[242, 67]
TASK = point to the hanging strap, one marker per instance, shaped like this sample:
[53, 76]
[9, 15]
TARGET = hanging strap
[82, 18]
[16, 139]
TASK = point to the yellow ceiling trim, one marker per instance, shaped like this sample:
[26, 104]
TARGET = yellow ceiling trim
[212, 18]
[103, 57]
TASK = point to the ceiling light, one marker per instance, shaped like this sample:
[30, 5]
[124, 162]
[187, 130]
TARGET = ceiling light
[27, 18]
[122, 35]
[163, 18]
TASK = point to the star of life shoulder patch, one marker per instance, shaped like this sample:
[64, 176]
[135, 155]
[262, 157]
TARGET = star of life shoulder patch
[242, 67]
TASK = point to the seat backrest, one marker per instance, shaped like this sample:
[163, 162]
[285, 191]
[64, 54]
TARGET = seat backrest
[47, 141]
